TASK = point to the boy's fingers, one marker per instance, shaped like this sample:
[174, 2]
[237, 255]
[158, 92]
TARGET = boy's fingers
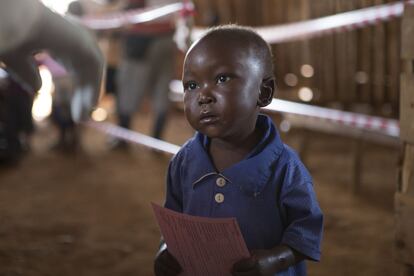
[171, 261]
[161, 271]
[160, 267]
[166, 264]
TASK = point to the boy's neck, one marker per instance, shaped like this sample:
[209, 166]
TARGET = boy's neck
[225, 154]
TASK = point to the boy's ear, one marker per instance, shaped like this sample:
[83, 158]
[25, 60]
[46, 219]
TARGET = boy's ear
[267, 89]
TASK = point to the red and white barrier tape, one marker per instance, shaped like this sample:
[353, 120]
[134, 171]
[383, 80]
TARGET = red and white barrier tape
[134, 137]
[325, 25]
[136, 16]
[370, 124]
[384, 126]
[387, 127]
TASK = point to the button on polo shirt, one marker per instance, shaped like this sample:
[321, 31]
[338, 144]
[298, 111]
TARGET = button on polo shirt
[219, 197]
[221, 182]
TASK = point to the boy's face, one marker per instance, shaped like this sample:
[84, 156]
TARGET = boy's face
[221, 83]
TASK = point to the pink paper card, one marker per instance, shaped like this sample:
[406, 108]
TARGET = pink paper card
[203, 246]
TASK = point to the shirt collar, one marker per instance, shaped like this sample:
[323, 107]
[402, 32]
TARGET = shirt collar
[252, 172]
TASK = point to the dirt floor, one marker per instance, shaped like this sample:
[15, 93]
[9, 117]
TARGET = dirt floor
[89, 213]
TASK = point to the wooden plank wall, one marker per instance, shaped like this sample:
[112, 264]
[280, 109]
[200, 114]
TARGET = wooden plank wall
[353, 69]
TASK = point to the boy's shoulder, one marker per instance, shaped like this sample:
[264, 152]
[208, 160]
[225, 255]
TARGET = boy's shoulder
[187, 149]
[290, 154]
[294, 165]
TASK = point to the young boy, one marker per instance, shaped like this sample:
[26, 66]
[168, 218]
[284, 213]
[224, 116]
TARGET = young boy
[236, 165]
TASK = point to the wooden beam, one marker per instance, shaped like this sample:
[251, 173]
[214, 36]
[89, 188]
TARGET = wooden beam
[407, 31]
[404, 243]
[407, 175]
[404, 197]
[407, 107]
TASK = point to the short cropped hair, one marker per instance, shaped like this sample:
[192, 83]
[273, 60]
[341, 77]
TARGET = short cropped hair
[243, 34]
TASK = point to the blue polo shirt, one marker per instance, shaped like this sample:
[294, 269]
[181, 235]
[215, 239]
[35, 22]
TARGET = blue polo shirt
[270, 193]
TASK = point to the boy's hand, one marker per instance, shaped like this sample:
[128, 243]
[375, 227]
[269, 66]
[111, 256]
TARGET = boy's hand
[266, 262]
[165, 264]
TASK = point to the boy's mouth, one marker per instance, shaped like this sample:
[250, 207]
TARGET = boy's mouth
[208, 118]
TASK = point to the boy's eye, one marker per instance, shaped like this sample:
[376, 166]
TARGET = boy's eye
[222, 78]
[191, 85]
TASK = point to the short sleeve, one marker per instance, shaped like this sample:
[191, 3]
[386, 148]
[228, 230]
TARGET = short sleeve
[304, 220]
[173, 197]
[302, 215]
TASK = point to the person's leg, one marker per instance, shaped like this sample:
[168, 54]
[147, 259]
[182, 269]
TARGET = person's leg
[72, 137]
[162, 63]
[131, 89]
[61, 114]
[110, 84]
[131, 81]
[67, 130]
[124, 121]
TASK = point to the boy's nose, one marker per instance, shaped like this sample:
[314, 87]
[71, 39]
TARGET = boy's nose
[205, 97]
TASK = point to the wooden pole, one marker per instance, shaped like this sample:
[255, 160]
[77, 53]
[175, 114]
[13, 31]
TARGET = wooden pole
[404, 197]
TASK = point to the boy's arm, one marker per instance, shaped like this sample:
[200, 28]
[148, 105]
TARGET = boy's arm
[173, 196]
[301, 238]
[267, 262]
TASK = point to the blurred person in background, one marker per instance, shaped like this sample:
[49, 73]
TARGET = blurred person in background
[108, 39]
[146, 65]
[67, 41]
[68, 139]
[68, 136]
